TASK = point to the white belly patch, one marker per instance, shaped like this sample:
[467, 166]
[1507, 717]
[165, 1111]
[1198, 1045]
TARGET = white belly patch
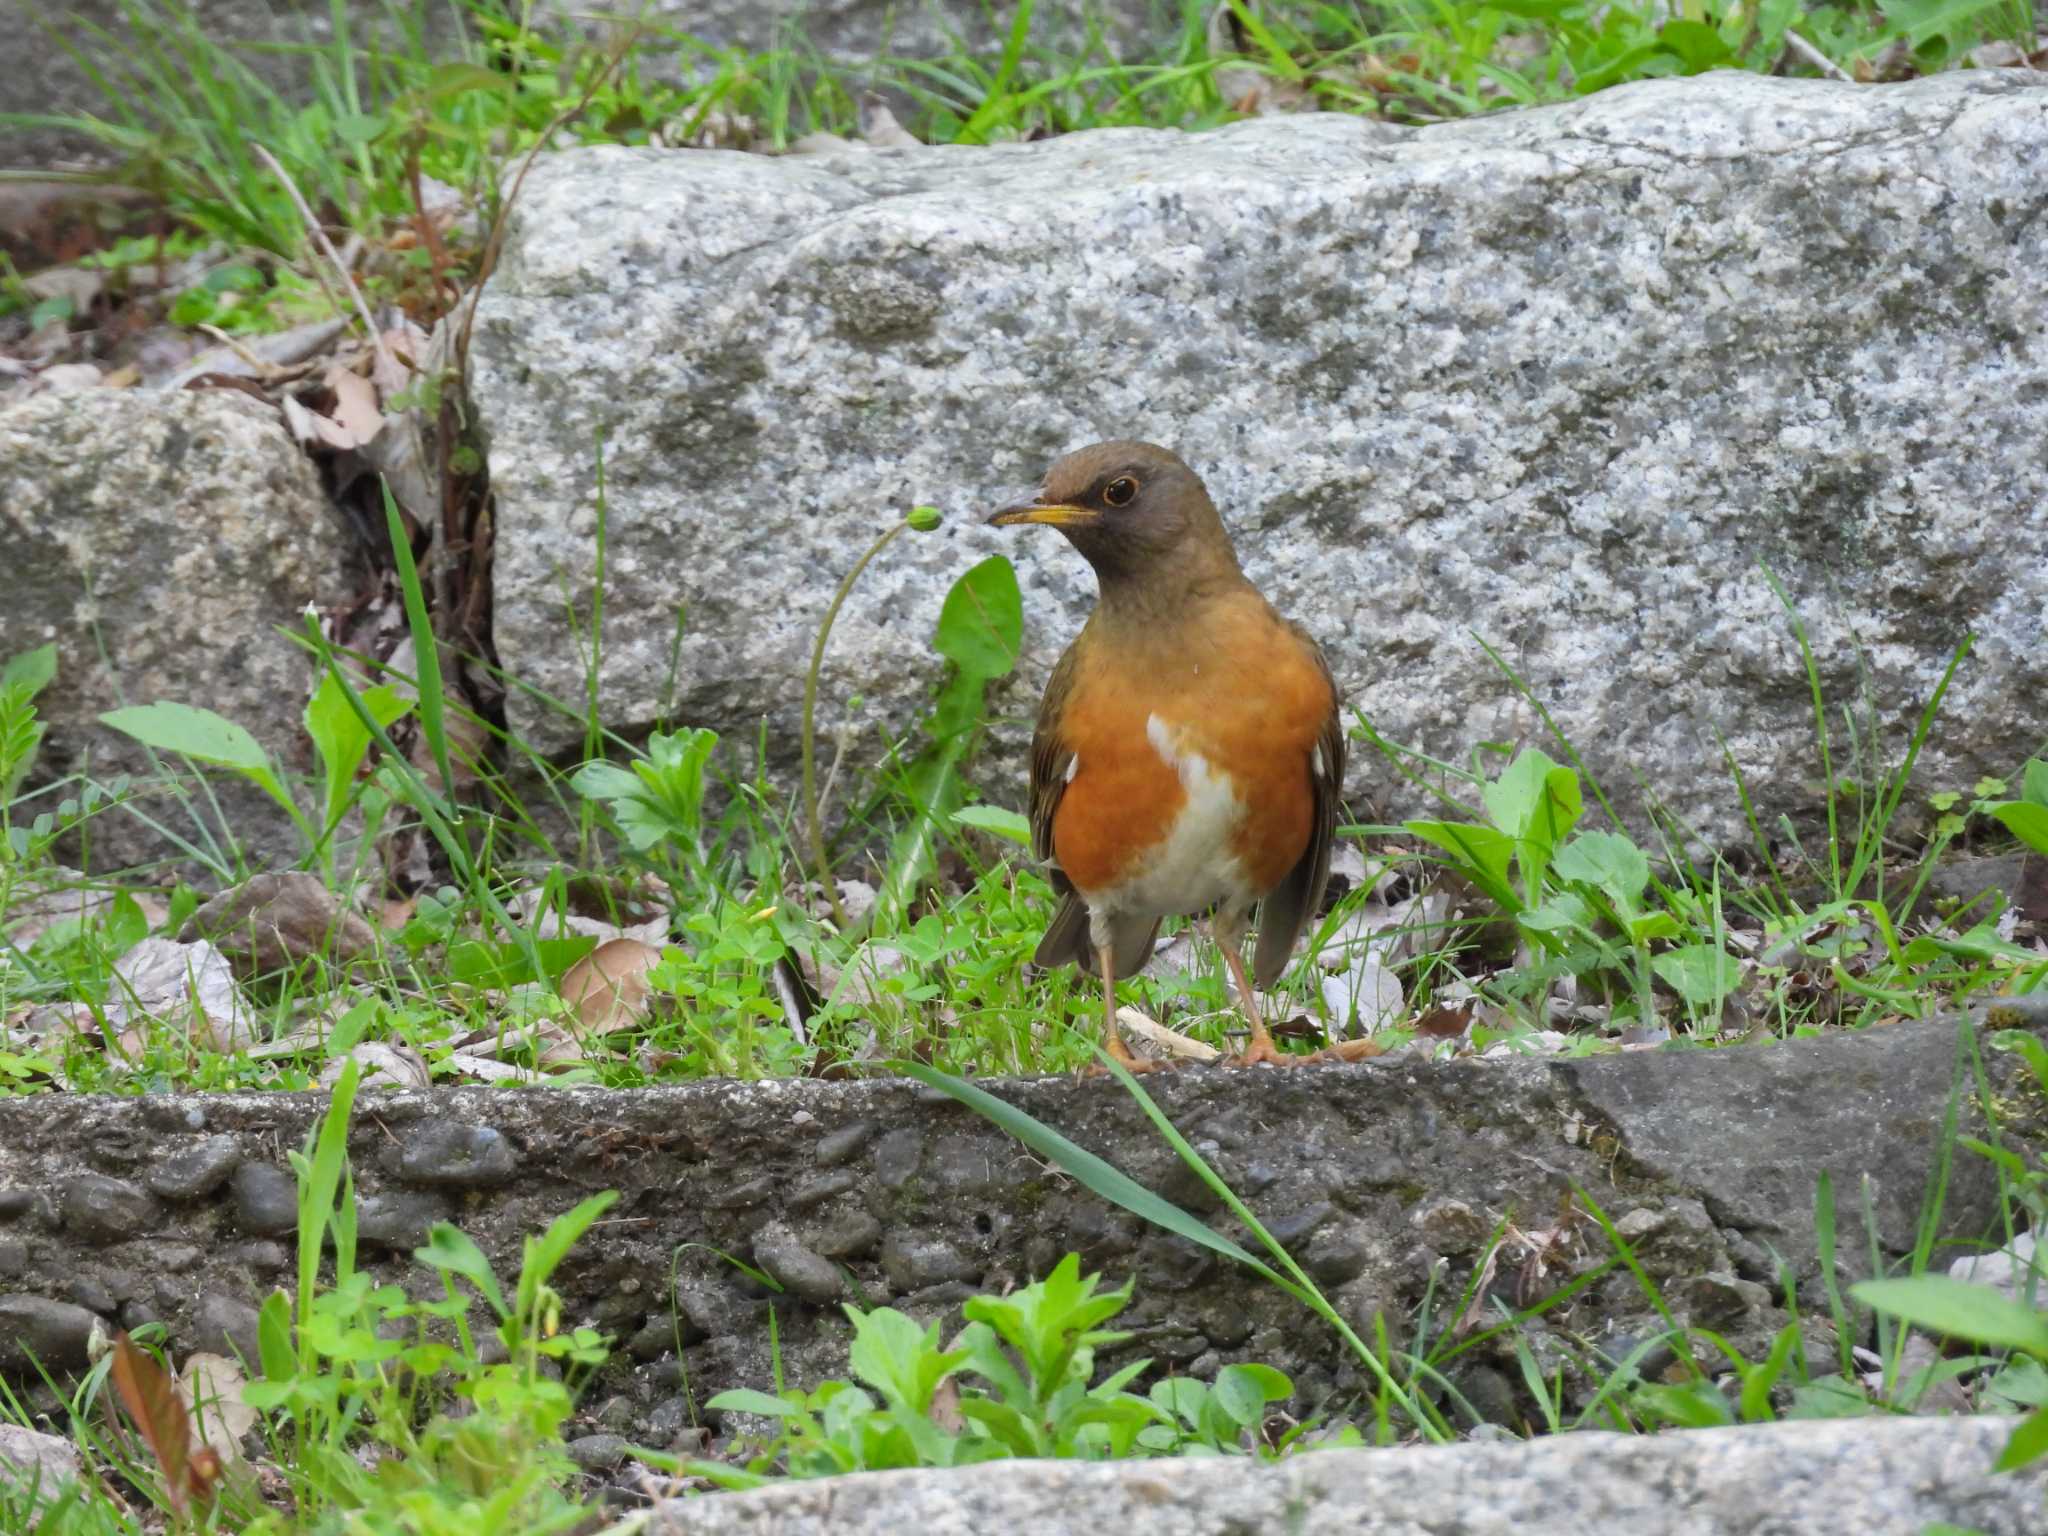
[1195, 867]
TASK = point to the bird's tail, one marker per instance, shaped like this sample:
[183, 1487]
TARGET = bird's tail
[1067, 941]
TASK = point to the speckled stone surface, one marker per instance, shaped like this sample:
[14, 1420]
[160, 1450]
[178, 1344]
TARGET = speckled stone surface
[1886, 1477]
[161, 540]
[1567, 380]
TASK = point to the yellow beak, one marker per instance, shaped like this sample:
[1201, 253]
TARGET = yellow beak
[1056, 516]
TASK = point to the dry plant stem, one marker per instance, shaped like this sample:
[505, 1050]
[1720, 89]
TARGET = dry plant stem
[495, 241]
[1815, 57]
[814, 823]
[265, 372]
[327, 248]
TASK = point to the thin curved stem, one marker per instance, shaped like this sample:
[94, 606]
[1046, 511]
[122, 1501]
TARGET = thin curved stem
[820, 862]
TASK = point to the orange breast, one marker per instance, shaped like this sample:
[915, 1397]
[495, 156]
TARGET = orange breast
[1233, 685]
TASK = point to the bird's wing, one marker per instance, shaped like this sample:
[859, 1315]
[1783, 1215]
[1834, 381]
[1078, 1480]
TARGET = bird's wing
[1289, 906]
[1051, 763]
[1066, 940]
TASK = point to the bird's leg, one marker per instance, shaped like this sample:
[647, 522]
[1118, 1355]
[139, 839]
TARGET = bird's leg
[1230, 939]
[1113, 1037]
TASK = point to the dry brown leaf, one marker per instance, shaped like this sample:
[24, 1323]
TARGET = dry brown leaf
[384, 1065]
[355, 406]
[1445, 1023]
[608, 987]
[212, 1388]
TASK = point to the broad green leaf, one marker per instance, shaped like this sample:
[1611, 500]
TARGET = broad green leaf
[478, 964]
[341, 738]
[1564, 912]
[1697, 45]
[981, 626]
[2027, 1444]
[900, 1360]
[1181, 1396]
[2024, 820]
[994, 818]
[197, 733]
[32, 670]
[1533, 799]
[747, 1400]
[1242, 1392]
[1607, 861]
[1702, 974]
[1484, 853]
[1829, 1397]
[2034, 783]
[1958, 1309]
[1691, 1405]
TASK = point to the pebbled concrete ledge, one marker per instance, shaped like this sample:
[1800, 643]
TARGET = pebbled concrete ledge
[1878, 1477]
[1379, 1176]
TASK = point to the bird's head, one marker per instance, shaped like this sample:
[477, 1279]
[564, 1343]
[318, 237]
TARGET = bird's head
[1133, 509]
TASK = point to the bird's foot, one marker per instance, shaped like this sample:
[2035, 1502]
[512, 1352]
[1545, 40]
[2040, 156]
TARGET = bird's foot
[1347, 1050]
[1263, 1050]
[1121, 1055]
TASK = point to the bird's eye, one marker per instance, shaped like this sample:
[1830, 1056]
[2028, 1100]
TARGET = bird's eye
[1118, 492]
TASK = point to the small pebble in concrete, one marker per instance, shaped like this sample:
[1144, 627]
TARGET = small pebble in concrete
[897, 1156]
[737, 1197]
[835, 1147]
[914, 1260]
[1333, 1257]
[804, 1273]
[266, 1200]
[99, 1209]
[845, 1235]
[459, 1156]
[197, 1171]
[398, 1218]
[227, 1327]
[817, 1191]
[37, 1329]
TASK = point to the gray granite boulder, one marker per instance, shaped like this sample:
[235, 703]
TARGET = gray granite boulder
[1797, 1479]
[1569, 380]
[161, 540]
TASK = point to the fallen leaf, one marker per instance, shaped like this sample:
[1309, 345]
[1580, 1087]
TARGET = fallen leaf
[383, 1065]
[607, 988]
[212, 1388]
[1445, 1023]
[187, 986]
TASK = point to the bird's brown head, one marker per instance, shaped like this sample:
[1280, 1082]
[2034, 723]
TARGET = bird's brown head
[1135, 511]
